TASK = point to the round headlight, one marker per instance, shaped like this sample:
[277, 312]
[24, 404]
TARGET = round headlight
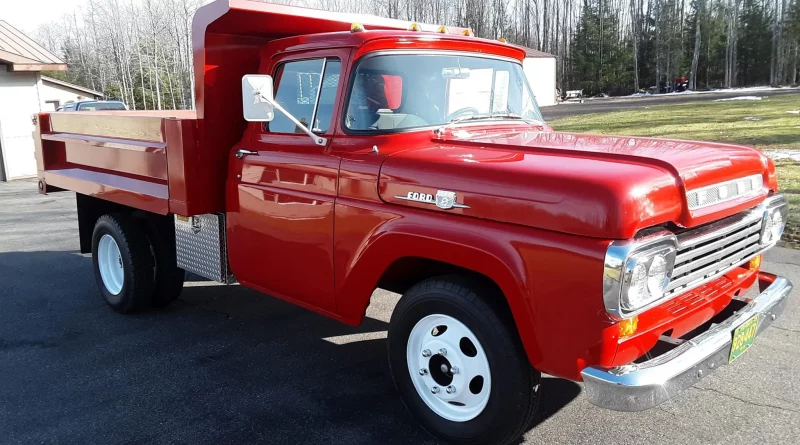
[766, 234]
[637, 289]
[657, 276]
[777, 225]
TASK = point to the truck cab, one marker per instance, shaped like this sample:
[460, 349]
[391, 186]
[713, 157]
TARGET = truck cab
[332, 154]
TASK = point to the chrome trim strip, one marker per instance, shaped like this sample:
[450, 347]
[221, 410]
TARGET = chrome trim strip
[640, 386]
[694, 204]
[455, 204]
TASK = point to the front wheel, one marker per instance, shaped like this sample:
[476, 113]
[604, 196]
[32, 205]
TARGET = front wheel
[459, 364]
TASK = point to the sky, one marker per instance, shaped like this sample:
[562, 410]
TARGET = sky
[27, 15]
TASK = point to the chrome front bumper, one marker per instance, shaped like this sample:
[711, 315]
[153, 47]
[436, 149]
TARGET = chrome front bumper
[640, 386]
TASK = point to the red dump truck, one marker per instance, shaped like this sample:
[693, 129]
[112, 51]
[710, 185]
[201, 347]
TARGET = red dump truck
[333, 154]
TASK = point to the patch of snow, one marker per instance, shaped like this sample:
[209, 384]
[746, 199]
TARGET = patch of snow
[794, 111]
[783, 154]
[721, 90]
[751, 118]
[739, 98]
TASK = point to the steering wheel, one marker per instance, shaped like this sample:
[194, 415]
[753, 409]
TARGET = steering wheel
[460, 112]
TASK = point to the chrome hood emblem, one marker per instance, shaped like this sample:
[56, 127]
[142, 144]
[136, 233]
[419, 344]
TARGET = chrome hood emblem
[444, 199]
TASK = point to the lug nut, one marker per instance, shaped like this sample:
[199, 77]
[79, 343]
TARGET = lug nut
[454, 370]
[443, 352]
[423, 371]
[426, 353]
[451, 389]
[435, 390]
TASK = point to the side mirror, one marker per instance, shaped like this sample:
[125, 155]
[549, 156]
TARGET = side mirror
[257, 98]
[258, 104]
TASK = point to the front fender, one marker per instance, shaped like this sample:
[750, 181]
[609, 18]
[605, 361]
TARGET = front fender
[369, 240]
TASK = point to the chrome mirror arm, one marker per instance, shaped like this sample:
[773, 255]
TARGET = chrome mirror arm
[317, 139]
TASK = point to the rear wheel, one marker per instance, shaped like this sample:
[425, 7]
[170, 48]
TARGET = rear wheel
[123, 264]
[459, 364]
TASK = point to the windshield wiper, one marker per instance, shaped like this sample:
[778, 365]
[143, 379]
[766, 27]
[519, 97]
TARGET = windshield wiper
[474, 117]
[494, 116]
[517, 116]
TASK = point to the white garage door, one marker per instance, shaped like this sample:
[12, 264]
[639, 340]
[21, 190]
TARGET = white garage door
[17, 146]
[19, 100]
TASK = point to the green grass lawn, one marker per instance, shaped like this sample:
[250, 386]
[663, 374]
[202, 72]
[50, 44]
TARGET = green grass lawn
[764, 124]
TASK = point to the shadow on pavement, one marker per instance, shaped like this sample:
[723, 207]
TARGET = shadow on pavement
[221, 365]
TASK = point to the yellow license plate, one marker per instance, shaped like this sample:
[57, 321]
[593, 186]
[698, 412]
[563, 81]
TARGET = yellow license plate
[743, 338]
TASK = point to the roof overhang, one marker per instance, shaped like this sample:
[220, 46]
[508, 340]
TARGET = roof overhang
[531, 53]
[15, 62]
[72, 86]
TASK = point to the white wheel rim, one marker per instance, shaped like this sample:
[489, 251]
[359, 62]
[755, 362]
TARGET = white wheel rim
[109, 260]
[451, 394]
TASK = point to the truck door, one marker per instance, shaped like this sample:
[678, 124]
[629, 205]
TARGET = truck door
[281, 196]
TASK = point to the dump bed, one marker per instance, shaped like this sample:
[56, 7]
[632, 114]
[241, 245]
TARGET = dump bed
[149, 160]
[176, 162]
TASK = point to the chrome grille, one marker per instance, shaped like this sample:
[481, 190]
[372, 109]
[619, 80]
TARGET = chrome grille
[707, 252]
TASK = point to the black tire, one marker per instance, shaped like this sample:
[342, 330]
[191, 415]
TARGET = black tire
[513, 396]
[136, 259]
[169, 277]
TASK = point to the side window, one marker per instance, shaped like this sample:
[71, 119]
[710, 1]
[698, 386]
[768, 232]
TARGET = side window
[300, 94]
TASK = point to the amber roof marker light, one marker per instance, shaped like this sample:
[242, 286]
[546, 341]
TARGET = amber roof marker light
[357, 27]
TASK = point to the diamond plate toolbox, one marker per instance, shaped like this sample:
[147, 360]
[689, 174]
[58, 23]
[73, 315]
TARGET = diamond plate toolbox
[201, 246]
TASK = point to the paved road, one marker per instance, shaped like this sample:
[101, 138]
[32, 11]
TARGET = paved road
[618, 104]
[227, 365]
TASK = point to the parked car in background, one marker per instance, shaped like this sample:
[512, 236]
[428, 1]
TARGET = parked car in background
[94, 105]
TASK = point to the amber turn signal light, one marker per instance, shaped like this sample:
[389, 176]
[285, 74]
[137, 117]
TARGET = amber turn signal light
[628, 327]
[755, 263]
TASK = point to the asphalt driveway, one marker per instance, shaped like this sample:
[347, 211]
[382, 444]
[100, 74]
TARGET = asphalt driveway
[229, 365]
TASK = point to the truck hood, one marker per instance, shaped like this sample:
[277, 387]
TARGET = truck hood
[600, 186]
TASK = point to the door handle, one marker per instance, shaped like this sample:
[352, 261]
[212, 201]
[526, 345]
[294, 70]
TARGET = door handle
[240, 153]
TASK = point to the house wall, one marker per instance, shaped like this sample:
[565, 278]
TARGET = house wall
[541, 74]
[53, 95]
[19, 101]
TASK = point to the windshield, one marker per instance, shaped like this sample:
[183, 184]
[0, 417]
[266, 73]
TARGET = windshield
[403, 91]
[95, 106]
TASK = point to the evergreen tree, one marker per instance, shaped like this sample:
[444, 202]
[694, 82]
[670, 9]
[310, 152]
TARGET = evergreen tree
[755, 42]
